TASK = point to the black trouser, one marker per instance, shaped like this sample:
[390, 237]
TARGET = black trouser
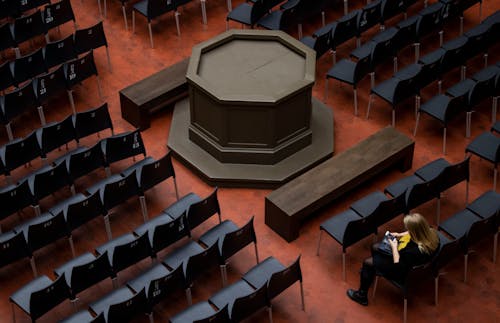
[368, 271]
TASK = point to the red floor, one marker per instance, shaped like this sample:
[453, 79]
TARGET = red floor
[478, 300]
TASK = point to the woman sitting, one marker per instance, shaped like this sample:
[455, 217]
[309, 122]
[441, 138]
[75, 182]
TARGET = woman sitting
[414, 247]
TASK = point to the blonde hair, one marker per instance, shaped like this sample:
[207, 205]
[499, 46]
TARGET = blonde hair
[421, 233]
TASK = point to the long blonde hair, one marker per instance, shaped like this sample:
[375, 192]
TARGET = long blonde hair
[421, 233]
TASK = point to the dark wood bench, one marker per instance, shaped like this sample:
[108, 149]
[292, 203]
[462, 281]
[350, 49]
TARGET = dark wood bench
[139, 100]
[289, 205]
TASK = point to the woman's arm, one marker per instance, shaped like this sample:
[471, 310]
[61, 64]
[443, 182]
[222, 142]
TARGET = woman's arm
[395, 253]
[399, 234]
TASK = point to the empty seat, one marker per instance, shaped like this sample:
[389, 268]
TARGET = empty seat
[92, 121]
[122, 146]
[121, 305]
[93, 37]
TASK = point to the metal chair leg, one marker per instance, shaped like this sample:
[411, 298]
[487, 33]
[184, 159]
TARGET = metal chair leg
[270, 311]
[370, 98]
[343, 265]
[256, 253]
[438, 211]
[393, 117]
[99, 88]
[107, 225]
[72, 246]
[416, 124]
[144, 208]
[395, 64]
[41, 115]
[33, 266]
[229, 5]
[375, 284]
[436, 290]
[176, 15]
[355, 102]
[417, 52]
[444, 141]
[405, 309]
[8, 128]
[125, 17]
[203, 11]
[71, 101]
[466, 257]
[302, 296]
[346, 7]
[495, 243]
[189, 296]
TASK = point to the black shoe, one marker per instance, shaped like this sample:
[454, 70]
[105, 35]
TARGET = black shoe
[357, 297]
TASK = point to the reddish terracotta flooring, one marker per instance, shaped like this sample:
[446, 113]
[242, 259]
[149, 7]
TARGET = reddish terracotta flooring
[478, 300]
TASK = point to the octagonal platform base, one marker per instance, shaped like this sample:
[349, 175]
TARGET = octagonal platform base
[221, 174]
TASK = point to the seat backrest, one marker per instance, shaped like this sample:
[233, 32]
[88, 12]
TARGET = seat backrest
[6, 77]
[479, 92]
[421, 193]
[259, 9]
[14, 198]
[83, 162]
[408, 30]
[29, 66]
[13, 246]
[124, 311]
[89, 274]
[27, 27]
[20, 151]
[454, 174]
[156, 172]
[159, 288]
[201, 211]
[43, 300]
[90, 38]
[455, 105]
[357, 230]
[247, 305]
[158, 7]
[199, 263]
[49, 85]
[431, 67]
[222, 316]
[58, 13]
[390, 8]
[51, 229]
[92, 121]
[480, 38]
[80, 69]
[386, 46]
[234, 241]
[363, 67]
[369, 16]
[119, 191]
[130, 253]
[59, 52]
[481, 229]
[345, 28]
[164, 235]
[8, 9]
[281, 280]
[55, 135]
[406, 88]
[322, 43]
[83, 211]
[455, 54]
[448, 251]
[27, 5]
[19, 101]
[431, 18]
[49, 180]
[122, 146]
[389, 209]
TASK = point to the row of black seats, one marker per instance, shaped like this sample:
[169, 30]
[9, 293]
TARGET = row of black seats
[366, 215]
[52, 55]
[38, 23]
[388, 43]
[462, 97]
[356, 22]
[478, 220]
[44, 140]
[68, 215]
[35, 94]
[15, 8]
[293, 12]
[410, 80]
[177, 270]
[252, 292]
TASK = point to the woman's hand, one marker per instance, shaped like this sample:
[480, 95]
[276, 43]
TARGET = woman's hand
[394, 247]
[399, 234]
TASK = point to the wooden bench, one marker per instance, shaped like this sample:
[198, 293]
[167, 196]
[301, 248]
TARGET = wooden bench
[289, 205]
[139, 100]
